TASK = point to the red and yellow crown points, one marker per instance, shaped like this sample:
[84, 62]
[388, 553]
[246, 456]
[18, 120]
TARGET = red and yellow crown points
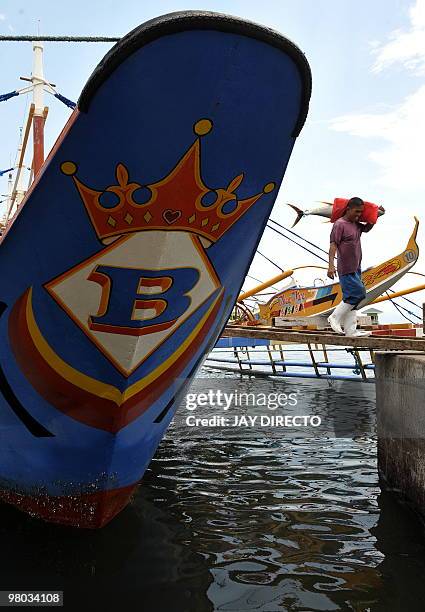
[180, 201]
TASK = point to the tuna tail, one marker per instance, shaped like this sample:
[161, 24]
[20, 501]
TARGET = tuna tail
[300, 213]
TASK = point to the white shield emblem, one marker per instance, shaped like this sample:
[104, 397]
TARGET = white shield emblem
[83, 299]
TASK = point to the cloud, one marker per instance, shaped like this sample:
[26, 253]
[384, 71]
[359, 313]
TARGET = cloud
[403, 131]
[405, 46]
[400, 128]
[2, 17]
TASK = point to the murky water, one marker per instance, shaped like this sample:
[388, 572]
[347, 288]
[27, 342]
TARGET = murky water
[242, 518]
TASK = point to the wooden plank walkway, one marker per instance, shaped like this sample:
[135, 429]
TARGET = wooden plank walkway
[279, 334]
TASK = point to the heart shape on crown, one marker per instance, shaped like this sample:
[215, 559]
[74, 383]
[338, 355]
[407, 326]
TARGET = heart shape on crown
[171, 216]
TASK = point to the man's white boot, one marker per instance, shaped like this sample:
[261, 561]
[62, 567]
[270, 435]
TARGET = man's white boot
[350, 326]
[336, 320]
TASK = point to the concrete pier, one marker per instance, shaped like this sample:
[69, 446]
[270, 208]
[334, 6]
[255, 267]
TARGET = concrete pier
[400, 399]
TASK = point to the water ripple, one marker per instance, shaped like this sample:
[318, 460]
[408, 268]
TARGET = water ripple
[283, 523]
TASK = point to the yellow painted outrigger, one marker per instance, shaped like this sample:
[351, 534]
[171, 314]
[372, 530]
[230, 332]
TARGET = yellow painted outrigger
[313, 301]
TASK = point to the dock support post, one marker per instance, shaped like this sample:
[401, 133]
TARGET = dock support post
[400, 393]
[282, 357]
[249, 358]
[325, 355]
[313, 360]
[271, 360]
[360, 363]
[236, 354]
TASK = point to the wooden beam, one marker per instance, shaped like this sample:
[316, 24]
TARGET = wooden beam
[304, 337]
[21, 159]
[319, 320]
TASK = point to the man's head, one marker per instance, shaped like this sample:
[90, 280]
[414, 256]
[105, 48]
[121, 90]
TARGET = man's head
[354, 209]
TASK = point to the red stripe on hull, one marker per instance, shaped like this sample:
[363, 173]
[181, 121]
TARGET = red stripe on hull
[84, 510]
[78, 403]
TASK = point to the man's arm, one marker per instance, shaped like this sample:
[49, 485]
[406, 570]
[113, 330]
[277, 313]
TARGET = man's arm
[335, 239]
[366, 227]
[331, 268]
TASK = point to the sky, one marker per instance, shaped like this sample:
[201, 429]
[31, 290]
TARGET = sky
[364, 133]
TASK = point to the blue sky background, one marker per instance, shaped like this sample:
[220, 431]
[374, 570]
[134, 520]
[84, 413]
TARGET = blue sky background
[365, 124]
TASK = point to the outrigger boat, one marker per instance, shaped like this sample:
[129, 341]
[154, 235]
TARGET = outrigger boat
[319, 301]
[125, 258]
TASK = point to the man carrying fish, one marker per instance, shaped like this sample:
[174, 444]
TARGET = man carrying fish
[325, 210]
[345, 241]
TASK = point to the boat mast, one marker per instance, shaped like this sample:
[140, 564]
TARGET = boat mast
[38, 83]
[17, 193]
[36, 118]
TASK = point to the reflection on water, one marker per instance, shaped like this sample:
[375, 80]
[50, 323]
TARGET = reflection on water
[242, 519]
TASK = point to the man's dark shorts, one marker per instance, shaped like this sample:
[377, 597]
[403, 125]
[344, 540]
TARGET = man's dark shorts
[353, 289]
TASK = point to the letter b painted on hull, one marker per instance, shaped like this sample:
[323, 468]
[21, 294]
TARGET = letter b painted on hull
[138, 302]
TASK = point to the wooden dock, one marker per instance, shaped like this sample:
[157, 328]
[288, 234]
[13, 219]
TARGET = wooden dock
[326, 337]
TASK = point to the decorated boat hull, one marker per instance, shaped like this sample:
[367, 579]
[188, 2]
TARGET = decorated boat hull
[322, 300]
[123, 264]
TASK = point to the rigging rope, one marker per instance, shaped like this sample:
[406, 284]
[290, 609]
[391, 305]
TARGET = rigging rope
[260, 281]
[7, 96]
[298, 236]
[109, 39]
[253, 278]
[252, 298]
[12, 94]
[272, 262]
[407, 299]
[297, 243]
[400, 308]
[66, 101]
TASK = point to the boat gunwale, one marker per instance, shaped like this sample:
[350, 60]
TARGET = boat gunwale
[181, 21]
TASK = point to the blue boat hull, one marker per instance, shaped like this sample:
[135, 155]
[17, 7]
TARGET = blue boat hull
[124, 262]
